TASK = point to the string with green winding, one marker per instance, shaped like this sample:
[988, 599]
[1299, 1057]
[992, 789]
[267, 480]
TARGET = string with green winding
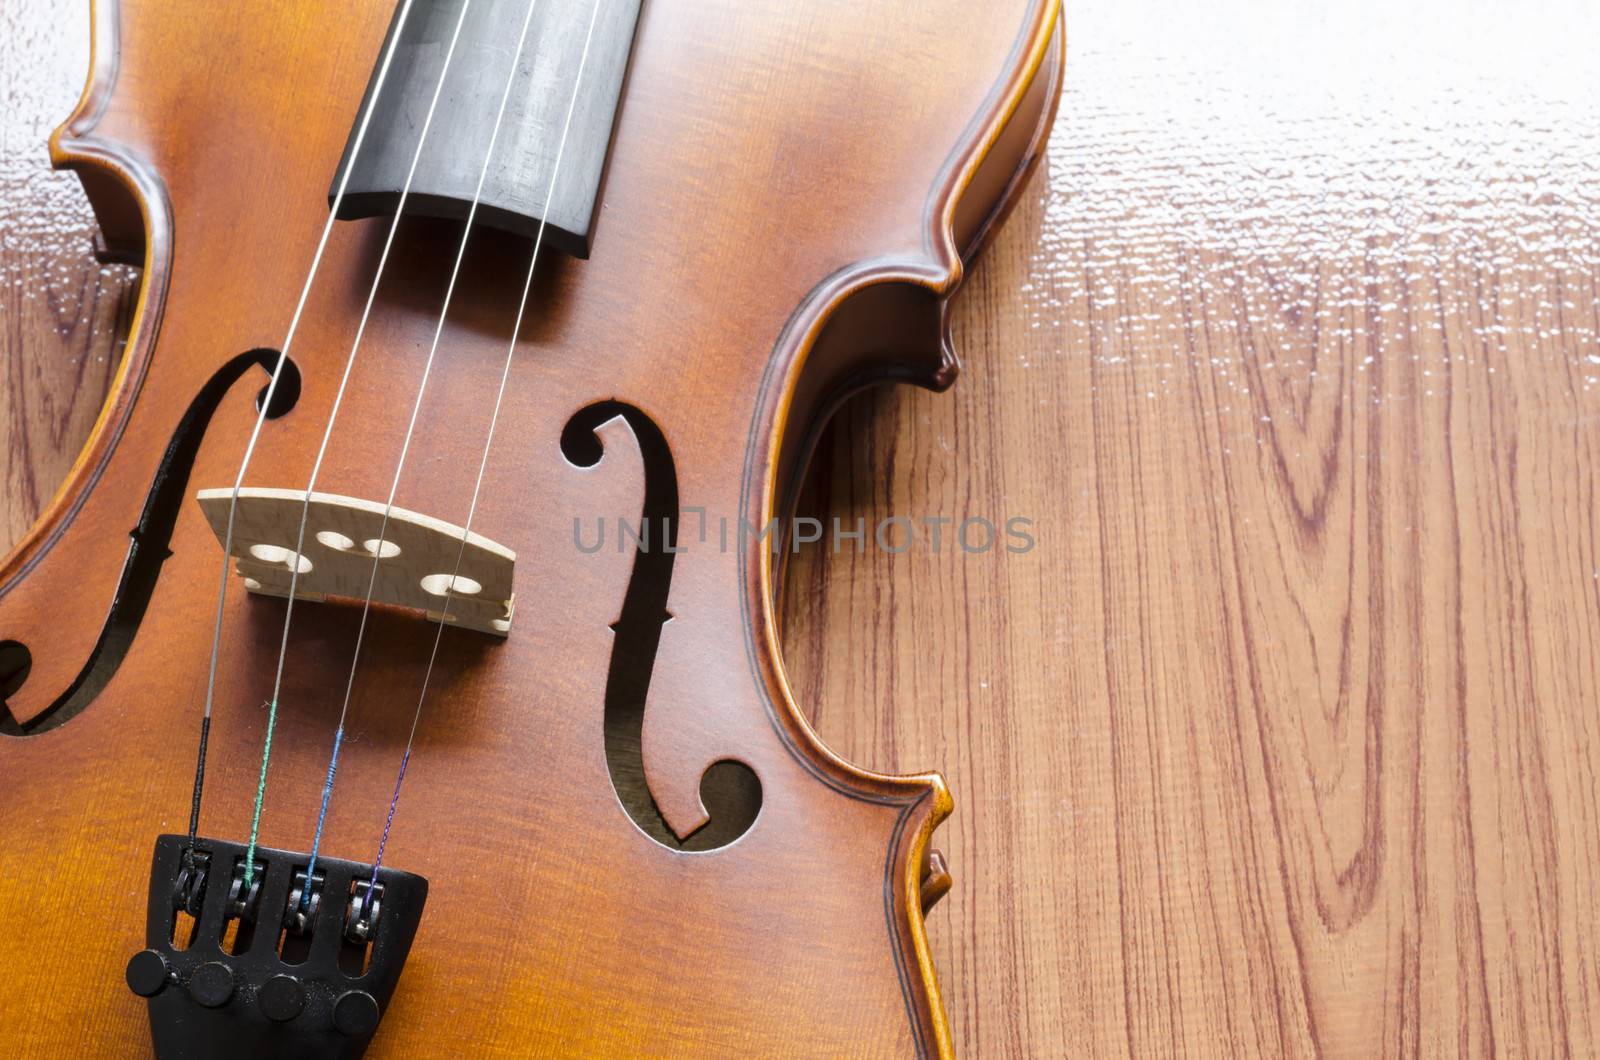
[261, 797]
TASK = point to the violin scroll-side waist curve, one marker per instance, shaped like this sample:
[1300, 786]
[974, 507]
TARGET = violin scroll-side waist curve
[616, 866]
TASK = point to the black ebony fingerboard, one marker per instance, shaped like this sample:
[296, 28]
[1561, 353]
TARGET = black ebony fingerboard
[525, 153]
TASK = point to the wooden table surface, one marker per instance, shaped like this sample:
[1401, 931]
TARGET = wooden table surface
[1283, 740]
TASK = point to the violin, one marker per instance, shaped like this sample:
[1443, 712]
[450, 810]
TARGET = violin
[397, 668]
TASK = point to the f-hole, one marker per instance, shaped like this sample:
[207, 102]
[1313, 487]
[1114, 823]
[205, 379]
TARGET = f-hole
[729, 789]
[147, 548]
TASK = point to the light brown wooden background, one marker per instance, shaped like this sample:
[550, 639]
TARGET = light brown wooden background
[1285, 738]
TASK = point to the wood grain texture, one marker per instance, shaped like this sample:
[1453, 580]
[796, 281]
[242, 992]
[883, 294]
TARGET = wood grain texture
[61, 314]
[1283, 739]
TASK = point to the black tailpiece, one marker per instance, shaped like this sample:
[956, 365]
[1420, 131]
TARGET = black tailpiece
[269, 970]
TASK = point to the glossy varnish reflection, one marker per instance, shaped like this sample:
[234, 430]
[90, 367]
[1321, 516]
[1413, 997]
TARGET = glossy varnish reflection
[847, 145]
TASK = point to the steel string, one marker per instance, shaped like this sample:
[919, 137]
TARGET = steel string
[355, 346]
[366, 605]
[483, 462]
[261, 415]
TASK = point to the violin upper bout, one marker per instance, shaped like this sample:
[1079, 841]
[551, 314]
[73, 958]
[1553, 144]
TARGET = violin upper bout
[891, 323]
[131, 208]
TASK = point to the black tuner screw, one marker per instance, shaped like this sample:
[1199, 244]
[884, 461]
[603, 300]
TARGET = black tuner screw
[356, 1013]
[241, 899]
[189, 890]
[281, 998]
[211, 984]
[147, 973]
[361, 913]
[305, 898]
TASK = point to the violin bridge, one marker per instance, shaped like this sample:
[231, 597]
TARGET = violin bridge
[416, 555]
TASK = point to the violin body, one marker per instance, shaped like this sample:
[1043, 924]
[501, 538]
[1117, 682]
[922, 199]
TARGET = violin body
[791, 193]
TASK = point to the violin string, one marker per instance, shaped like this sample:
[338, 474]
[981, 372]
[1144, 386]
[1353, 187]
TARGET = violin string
[333, 415]
[483, 460]
[266, 404]
[405, 448]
